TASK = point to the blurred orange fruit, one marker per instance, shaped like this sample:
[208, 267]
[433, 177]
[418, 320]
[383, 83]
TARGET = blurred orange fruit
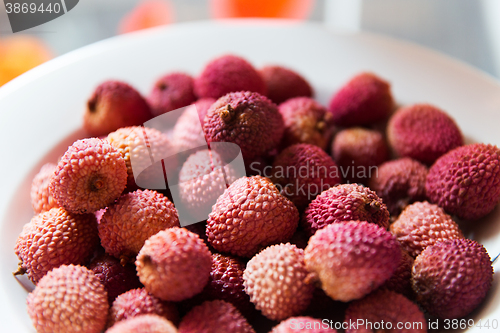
[147, 14]
[19, 54]
[293, 9]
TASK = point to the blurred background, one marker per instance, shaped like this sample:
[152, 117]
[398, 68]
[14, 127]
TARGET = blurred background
[464, 29]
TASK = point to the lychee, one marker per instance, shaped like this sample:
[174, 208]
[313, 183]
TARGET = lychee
[41, 200]
[136, 302]
[363, 100]
[283, 83]
[114, 104]
[227, 74]
[400, 280]
[89, 176]
[302, 171]
[345, 202]
[466, 181]
[174, 264]
[452, 277]
[170, 92]
[251, 214]
[145, 323]
[68, 299]
[115, 277]
[54, 238]
[303, 324]
[214, 317]
[390, 311]
[399, 183]
[247, 119]
[277, 281]
[358, 152]
[423, 132]
[422, 224]
[352, 259]
[306, 121]
[132, 219]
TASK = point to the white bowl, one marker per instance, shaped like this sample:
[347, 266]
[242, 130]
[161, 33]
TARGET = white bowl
[41, 111]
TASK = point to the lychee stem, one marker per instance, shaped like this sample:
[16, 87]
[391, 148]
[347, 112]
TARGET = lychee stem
[20, 270]
[373, 206]
[227, 114]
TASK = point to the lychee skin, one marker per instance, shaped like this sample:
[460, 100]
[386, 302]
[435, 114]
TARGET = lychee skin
[423, 224]
[136, 302]
[452, 277]
[114, 104]
[302, 324]
[352, 259]
[358, 151]
[247, 119]
[170, 92]
[271, 275]
[399, 183]
[423, 132]
[466, 181]
[345, 202]
[321, 173]
[146, 323]
[174, 264]
[283, 84]
[306, 121]
[115, 277]
[227, 74]
[90, 176]
[400, 280]
[251, 214]
[54, 238]
[41, 200]
[363, 100]
[132, 219]
[214, 317]
[69, 299]
[389, 308]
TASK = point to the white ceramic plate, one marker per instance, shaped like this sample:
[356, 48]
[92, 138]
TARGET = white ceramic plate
[41, 111]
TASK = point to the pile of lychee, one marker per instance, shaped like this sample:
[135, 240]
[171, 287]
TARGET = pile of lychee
[357, 204]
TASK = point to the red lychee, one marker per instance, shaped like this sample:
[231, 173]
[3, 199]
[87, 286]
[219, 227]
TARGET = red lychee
[170, 92]
[283, 83]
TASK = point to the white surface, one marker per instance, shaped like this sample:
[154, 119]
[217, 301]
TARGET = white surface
[44, 106]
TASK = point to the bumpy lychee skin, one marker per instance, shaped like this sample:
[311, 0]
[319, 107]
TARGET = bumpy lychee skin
[188, 131]
[55, 238]
[146, 323]
[388, 307]
[452, 277]
[170, 92]
[247, 119]
[214, 317]
[345, 202]
[365, 99]
[68, 299]
[302, 324]
[269, 277]
[283, 84]
[138, 302]
[352, 259]
[138, 146]
[400, 281]
[132, 219]
[399, 183]
[250, 215]
[114, 104]
[202, 179]
[422, 224]
[306, 121]
[115, 277]
[303, 171]
[423, 132]
[174, 264]
[466, 181]
[90, 175]
[227, 74]
[41, 199]
[358, 151]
